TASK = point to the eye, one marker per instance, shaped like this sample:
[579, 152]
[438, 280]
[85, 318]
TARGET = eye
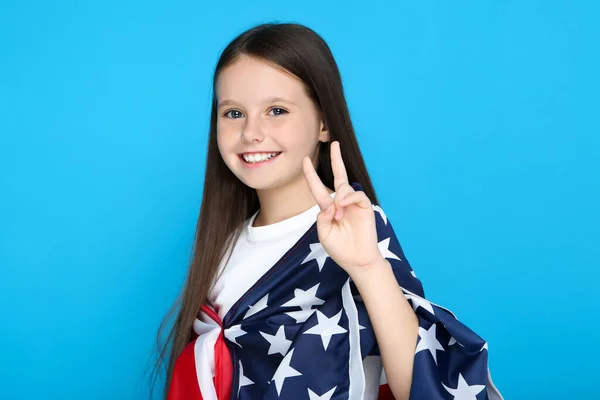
[277, 111]
[233, 114]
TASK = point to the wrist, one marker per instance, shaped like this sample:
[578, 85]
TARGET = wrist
[379, 268]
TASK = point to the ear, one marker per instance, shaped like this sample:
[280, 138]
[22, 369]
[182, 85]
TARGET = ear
[324, 133]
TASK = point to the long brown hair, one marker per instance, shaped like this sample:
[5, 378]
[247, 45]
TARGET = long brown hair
[226, 201]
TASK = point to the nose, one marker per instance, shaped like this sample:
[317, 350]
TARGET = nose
[252, 131]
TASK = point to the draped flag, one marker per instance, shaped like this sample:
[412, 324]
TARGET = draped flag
[303, 332]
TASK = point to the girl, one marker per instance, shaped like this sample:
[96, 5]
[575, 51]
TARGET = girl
[298, 287]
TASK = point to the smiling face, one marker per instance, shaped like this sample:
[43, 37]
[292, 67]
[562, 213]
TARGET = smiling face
[266, 124]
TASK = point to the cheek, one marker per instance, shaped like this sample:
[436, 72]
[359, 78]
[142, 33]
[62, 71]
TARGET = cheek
[300, 134]
[225, 145]
[225, 136]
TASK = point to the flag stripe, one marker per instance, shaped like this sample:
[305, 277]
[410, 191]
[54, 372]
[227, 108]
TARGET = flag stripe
[356, 372]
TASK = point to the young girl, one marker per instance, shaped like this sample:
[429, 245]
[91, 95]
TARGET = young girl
[298, 287]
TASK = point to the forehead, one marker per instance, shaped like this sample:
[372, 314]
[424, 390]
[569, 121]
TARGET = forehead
[248, 79]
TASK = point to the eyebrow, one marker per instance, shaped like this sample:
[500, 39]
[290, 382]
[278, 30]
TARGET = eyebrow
[279, 100]
[269, 100]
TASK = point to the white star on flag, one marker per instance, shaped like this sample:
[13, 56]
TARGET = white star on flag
[300, 316]
[463, 391]
[418, 301]
[278, 342]
[317, 252]
[429, 342]
[485, 346]
[244, 381]
[259, 306]
[380, 211]
[233, 333]
[284, 371]
[453, 341]
[384, 249]
[325, 396]
[326, 327]
[305, 299]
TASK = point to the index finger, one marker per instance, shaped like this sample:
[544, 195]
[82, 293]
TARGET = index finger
[318, 190]
[337, 166]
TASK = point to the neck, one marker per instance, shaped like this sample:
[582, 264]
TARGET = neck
[284, 202]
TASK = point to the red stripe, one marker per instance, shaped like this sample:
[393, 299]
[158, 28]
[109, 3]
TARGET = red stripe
[385, 393]
[223, 365]
[184, 384]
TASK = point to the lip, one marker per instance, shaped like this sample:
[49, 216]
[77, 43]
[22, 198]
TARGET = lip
[259, 164]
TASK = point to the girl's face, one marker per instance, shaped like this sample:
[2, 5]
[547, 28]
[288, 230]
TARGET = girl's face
[266, 124]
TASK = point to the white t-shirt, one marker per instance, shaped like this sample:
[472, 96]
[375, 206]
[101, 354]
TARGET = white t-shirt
[255, 252]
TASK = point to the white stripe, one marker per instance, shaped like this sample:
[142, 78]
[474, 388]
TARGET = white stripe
[492, 391]
[383, 379]
[373, 373]
[204, 355]
[356, 388]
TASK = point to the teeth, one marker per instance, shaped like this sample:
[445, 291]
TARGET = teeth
[258, 157]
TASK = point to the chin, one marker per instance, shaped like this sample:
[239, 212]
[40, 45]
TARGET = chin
[267, 183]
[261, 183]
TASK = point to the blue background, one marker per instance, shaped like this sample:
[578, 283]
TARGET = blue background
[478, 121]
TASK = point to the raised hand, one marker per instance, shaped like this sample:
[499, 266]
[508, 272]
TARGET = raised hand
[346, 223]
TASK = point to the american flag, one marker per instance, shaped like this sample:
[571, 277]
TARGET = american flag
[302, 332]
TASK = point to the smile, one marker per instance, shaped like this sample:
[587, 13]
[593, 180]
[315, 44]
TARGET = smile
[258, 158]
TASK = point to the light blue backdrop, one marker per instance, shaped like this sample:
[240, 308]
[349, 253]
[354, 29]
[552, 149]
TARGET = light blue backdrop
[478, 120]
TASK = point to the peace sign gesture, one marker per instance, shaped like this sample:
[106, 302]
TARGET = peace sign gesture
[346, 223]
